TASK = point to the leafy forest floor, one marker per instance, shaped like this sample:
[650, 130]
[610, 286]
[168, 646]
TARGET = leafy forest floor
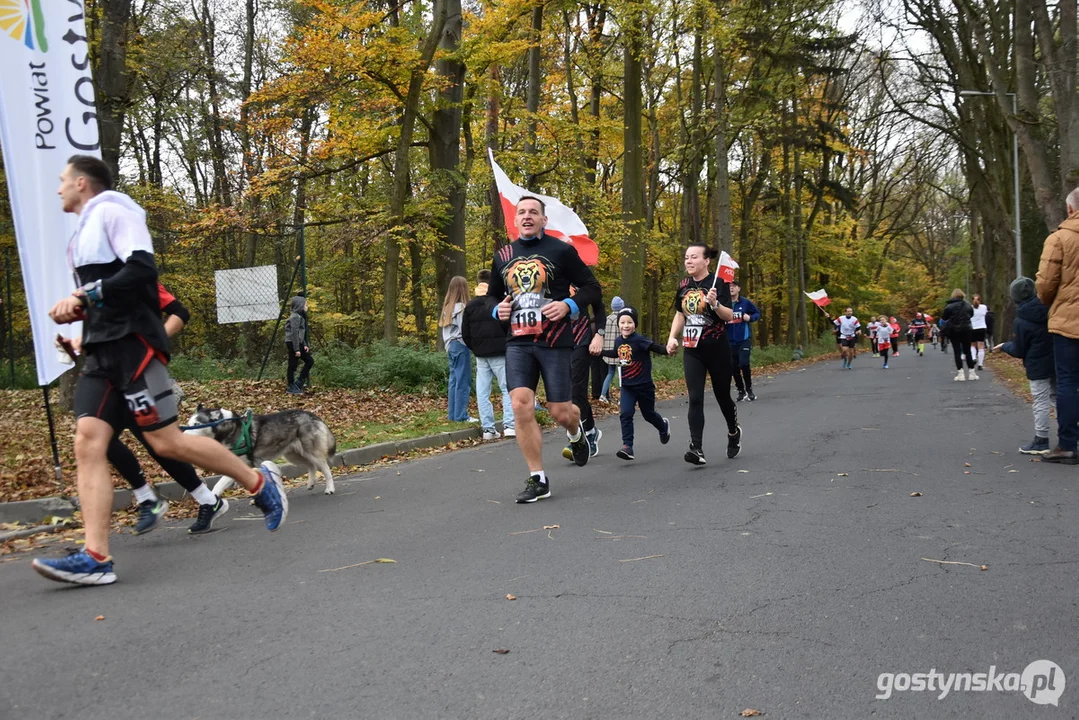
[357, 417]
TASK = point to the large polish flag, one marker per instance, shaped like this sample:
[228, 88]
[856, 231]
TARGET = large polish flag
[562, 222]
[820, 297]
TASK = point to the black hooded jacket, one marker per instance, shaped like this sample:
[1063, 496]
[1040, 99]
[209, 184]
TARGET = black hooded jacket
[956, 316]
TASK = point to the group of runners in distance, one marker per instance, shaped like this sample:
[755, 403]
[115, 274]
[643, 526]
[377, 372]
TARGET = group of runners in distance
[966, 325]
[542, 287]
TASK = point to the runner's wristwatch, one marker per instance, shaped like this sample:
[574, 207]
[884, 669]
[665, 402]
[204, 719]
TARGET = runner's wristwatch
[92, 295]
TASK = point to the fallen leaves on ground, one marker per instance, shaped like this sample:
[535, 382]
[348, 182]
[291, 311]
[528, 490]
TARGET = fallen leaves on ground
[915, 494]
[100, 617]
[501, 651]
[750, 712]
[510, 597]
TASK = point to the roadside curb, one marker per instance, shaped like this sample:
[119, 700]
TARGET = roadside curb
[32, 512]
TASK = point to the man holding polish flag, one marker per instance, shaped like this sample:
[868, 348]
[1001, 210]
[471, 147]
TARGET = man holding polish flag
[562, 222]
[819, 298]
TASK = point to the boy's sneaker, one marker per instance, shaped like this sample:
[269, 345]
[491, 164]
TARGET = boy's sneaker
[150, 514]
[208, 515]
[665, 436]
[734, 443]
[695, 456]
[604, 399]
[593, 438]
[271, 499]
[741, 396]
[534, 490]
[751, 396]
[579, 448]
[1040, 446]
[509, 432]
[491, 435]
[78, 568]
[626, 453]
[294, 389]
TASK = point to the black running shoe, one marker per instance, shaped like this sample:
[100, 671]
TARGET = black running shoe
[695, 456]
[741, 396]
[208, 515]
[534, 490]
[665, 436]
[751, 396]
[626, 453]
[580, 449]
[150, 514]
[734, 443]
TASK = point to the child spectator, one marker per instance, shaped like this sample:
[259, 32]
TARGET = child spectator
[631, 351]
[296, 343]
[1032, 344]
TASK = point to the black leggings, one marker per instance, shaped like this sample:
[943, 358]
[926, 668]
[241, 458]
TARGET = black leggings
[961, 349]
[713, 360]
[127, 464]
[294, 362]
[579, 366]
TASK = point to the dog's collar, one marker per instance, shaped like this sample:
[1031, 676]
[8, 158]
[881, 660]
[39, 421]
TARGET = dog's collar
[245, 444]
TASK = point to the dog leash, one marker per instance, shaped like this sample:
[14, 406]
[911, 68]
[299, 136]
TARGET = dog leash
[244, 446]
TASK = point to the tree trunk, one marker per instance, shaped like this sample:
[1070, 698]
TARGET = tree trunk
[632, 165]
[445, 153]
[113, 82]
[401, 189]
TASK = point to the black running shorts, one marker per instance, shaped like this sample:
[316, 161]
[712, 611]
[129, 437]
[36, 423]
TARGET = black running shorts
[977, 335]
[124, 383]
[525, 364]
[848, 342]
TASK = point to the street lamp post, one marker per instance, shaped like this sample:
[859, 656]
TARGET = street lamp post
[1015, 176]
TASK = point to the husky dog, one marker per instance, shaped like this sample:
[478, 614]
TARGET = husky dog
[300, 436]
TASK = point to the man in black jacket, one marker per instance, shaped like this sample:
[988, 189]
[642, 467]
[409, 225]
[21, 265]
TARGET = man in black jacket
[486, 338]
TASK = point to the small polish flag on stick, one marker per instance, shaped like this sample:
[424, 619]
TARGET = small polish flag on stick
[820, 298]
[562, 223]
[727, 266]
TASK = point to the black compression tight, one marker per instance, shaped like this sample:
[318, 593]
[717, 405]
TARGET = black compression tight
[713, 361]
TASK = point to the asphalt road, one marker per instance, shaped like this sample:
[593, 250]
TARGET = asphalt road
[787, 580]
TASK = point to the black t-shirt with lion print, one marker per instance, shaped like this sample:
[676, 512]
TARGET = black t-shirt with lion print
[703, 326]
[538, 271]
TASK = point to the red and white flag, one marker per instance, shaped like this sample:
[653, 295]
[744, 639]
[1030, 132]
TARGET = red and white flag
[820, 297]
[727, 266]
[562, 222]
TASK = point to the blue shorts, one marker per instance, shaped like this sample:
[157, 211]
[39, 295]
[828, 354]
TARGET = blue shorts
[525, 364]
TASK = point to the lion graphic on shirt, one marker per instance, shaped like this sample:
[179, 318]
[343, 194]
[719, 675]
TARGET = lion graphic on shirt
[526, 276]
[625, 354]
[694, 302]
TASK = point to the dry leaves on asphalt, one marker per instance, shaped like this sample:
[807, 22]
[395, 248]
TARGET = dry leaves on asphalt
[501, 651]
[915, 494]
[750, 712]
[510, 597]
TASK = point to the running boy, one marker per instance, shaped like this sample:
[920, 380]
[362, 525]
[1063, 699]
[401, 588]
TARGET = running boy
[632, 353]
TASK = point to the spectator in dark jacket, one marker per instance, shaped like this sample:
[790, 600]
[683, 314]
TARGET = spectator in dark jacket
[486, 338]
[1031, 344]
[296, 342]
[956, 316]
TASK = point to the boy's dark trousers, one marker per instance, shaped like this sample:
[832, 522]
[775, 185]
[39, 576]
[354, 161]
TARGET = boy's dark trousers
[643, 396]
[293, 363]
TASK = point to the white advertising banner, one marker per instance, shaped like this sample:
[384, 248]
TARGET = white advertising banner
[47, 114]
[247, 294]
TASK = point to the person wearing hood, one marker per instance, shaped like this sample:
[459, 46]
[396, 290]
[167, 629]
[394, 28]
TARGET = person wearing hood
[956, 316]
[1031, 344]
[609, 338]
[1058, 288]
[125, 379]
[296, 342]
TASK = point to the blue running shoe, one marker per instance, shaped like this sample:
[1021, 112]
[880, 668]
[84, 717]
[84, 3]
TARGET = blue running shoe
[78, 568]
[150, 514]
[271, 499]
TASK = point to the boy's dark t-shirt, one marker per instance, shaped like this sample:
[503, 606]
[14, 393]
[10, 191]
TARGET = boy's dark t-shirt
[633, 357]
[703, 326]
